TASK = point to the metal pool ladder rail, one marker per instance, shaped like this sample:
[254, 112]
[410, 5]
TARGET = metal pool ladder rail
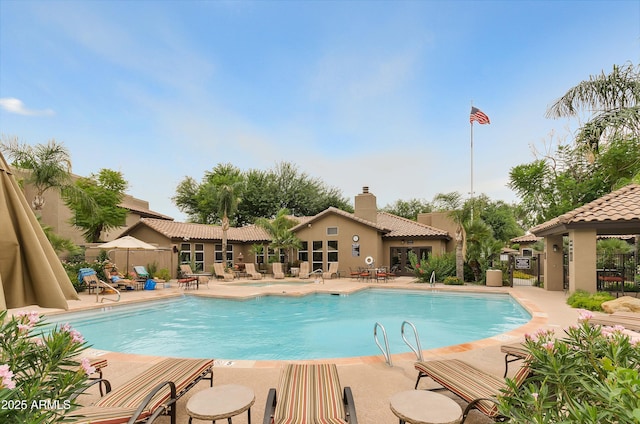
[418, 349]
[385, 350]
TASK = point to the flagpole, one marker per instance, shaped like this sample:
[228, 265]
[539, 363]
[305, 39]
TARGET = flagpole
[471, 160]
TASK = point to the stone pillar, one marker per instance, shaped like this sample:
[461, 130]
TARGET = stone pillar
[582, 260]
[553, 272]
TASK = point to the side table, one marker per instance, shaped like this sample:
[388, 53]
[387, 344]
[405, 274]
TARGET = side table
[219, 402]
[425, 407]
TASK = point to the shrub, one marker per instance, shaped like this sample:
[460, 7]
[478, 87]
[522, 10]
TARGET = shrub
[443, 265]
[39, 372]
[590, 375]
[163, 274]
[585, 300]
[453, 281]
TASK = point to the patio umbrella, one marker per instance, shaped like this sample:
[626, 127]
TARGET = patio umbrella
[127, 243]
[30, 271]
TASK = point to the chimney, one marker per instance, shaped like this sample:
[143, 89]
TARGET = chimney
[365, 206]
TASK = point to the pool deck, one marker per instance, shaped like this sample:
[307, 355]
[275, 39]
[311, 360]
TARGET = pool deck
[372, 381]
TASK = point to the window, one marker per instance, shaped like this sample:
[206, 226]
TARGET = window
[527, 252]
[218, 253]
[273, 256]
[332, 251]
[185, 253]
[303, 252]
[332, 231]
[317, 256]
[198, 257]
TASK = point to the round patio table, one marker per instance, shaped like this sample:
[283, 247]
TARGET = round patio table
[425, 407]
[220, 402]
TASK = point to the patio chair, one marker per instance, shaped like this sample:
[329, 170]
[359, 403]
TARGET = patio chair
[187, 276]
[310, 393]
[218, 270]
[251, 270]
[479, 388]
[148, 395]
[513, 352]
[278, 273]
[142, 275]
[304, 270]
[332, 272]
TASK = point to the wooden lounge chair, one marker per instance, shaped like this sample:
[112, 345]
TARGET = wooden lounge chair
[218, 269]
[629, 320]
[310, 393]
[278, 273]
[251, 271]
[332, 272]
[148, 395]
[304, 270]
[479, 388]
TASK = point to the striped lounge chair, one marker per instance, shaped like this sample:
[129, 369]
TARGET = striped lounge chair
[471, 384]
[148, 395]
[310, 393]
[513, 352]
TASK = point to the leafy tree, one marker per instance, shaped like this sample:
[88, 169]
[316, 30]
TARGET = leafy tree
[49, 167]
[614, 100]
[279, 228]
[409, 208]
[263, 194]
[107, 189]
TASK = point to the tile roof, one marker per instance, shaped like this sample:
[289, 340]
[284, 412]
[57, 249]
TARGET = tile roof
[334, 210]
[172, 229]
[403, 227]
[620, 207]
[527, 238]
[388, 224]
[144, 212]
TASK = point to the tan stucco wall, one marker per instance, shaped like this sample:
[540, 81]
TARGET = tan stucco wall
[553, 267]
[370, 242]
[582, 260]
[442, 221]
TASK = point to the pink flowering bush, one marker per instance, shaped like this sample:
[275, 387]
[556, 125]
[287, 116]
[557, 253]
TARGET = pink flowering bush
[590, 375]
[39, 371]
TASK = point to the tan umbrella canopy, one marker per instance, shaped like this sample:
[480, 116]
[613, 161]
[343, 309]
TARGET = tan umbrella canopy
[30, 271]
[127, 243]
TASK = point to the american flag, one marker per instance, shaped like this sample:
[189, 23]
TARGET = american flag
[478, 115]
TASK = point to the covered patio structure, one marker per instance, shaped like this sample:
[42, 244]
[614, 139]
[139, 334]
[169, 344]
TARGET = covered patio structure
[617, 213]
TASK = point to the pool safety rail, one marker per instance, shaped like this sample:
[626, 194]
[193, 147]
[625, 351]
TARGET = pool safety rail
[106, 286]
[418, 349]
[385, 350]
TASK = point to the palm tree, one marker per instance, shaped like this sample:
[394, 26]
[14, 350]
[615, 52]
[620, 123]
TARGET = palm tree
[226, 183]
[460, 214]
[614, 100]
[279, 229]
[49, 167]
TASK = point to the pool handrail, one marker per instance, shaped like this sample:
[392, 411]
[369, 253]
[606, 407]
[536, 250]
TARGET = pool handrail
[385, 351]
[418, 349]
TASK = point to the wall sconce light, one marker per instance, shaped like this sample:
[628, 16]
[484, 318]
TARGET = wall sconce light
[555, 247]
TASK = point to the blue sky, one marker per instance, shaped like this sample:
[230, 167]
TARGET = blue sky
[355, 93]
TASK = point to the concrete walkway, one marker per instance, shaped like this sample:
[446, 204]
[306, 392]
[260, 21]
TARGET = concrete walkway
[371, 380]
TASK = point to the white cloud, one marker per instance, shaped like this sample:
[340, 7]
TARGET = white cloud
[14, 105]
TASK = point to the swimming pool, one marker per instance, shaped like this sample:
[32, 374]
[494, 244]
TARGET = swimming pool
[289, 328]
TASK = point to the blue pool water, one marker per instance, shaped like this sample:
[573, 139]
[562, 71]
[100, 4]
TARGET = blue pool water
[288, 328]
